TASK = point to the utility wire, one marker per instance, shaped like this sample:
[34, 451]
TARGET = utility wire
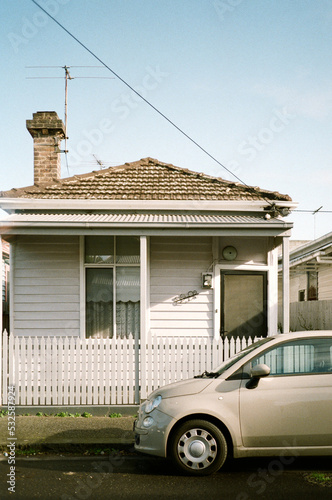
[138, 94]
[313, 211]
[145, 100]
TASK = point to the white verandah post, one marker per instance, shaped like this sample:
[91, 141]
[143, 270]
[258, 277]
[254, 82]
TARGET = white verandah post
[285, 284]
[140, 346]
[1, 312]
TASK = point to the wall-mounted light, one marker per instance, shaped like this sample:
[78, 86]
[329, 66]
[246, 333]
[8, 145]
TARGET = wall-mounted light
[206, 280]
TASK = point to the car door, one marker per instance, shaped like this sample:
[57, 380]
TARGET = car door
[293, 405]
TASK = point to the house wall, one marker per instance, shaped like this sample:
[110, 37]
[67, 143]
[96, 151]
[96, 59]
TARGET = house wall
[325, 282]
[250, 251]
[46, 285]
[298, 281]
[176, 267]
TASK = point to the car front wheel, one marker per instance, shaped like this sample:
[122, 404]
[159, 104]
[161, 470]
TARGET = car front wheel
[198, 448]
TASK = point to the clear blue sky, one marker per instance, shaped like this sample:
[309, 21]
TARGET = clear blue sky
[248, 80]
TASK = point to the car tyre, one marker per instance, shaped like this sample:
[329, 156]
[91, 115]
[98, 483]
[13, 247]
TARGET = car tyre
[198, 448]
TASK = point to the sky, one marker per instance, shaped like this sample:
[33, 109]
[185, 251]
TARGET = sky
[248, 80]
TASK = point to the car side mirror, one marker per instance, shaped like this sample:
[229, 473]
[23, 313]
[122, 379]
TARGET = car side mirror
[257, 373]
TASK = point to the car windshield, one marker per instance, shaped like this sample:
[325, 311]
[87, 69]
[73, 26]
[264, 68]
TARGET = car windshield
[231, 361]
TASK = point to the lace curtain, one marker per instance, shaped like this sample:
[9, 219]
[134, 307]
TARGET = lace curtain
[100, 319]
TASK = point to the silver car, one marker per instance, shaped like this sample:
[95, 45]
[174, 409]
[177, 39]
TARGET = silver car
[273, 398]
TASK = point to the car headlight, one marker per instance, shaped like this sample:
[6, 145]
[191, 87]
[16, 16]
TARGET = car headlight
[148, 422]
[151, 405]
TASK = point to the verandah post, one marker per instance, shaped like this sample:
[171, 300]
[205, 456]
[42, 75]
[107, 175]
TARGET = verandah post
[1, 313]
[140, 344]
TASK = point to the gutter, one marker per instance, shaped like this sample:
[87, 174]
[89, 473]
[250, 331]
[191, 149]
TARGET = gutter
[264, 225]
[11, 205]
[324, 260]
[319, 256]
[319, 245]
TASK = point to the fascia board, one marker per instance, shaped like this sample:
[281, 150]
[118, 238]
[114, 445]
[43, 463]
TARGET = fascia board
[13, 204]
[312, 247]
[265, 229]
[299, 260]
[137, 231]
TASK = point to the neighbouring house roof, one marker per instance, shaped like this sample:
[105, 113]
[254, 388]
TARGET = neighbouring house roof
[318, 251]
[146, 179]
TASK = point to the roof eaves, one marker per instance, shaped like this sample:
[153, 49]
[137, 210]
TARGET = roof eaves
[312, 247]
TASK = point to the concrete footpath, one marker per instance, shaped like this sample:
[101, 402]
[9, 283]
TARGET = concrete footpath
[67, 433]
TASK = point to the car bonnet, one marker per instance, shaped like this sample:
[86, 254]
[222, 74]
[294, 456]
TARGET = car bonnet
[182, 388]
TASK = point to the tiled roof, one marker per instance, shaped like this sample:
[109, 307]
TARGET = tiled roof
[146, 179]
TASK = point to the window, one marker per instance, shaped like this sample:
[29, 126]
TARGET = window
[112, 283]
[312, 285]
[301, 295]
[299, 357]
[99, 249]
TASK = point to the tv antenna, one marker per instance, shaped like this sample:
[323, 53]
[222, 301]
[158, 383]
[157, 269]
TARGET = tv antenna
[314, 214]
[100, 163]
[67, 77]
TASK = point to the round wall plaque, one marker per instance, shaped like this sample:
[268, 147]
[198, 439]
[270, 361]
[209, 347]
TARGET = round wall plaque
[229, 253]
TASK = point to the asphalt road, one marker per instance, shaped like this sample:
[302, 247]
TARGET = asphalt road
[139, 477]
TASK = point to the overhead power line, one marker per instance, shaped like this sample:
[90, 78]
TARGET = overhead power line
[313, 212]
[271, 203]
[140, 96]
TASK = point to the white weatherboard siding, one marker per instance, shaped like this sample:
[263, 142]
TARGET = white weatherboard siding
[46, 286]
[177, 264]
[325, 282]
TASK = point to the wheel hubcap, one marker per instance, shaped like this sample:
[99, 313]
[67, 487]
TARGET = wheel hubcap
[197, 448]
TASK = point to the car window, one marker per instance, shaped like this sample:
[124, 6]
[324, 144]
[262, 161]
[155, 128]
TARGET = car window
[234, 359]
[305, 356]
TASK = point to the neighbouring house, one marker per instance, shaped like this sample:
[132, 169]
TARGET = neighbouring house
[310, 266]
[5, 285]
[144, 251]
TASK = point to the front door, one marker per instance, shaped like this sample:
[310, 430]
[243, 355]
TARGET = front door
[243, 304]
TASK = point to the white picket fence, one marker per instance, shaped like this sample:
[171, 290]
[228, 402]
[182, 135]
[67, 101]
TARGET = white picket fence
[62, 371]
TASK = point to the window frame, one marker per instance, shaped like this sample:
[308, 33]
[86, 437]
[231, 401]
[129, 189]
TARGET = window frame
[102, 265]
[312, 276]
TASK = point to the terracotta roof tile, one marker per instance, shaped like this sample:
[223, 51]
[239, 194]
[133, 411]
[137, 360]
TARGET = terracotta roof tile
[146, 179]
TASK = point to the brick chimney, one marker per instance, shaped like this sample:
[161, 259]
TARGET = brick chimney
[47, 131]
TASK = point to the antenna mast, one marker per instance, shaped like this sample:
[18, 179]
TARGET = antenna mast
[67, 77]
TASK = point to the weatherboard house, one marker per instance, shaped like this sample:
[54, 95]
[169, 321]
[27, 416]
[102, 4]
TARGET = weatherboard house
[141, 256]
